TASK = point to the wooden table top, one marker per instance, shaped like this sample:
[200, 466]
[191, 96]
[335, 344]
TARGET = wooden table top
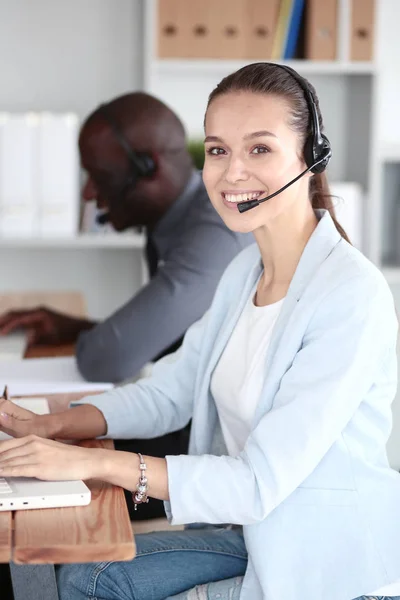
[100, 531]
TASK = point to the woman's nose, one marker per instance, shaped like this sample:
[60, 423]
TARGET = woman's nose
[236, 170]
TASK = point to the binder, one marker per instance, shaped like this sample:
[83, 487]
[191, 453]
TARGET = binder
[362, 29]
[18, 172]
[172, 28]
[227, 29]
[293, 30]
[260, 26]
[281, 29]
[199, 39]
[321, 29]
[58, 175]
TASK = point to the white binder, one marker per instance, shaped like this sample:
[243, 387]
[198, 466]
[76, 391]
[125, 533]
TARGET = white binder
[18, 174]
[58, 175]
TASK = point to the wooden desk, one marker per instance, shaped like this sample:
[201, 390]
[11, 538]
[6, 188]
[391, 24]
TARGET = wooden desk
[98, 532]
[34, 540]
[71, 303]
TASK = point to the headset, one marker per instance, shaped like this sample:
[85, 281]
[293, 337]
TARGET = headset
[140, 163]
[317, 148]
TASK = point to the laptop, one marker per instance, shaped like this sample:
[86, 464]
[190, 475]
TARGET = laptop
[24, 493]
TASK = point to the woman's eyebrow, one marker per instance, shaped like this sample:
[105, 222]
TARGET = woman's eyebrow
[256, 134]
[212, 138]
[248, 136]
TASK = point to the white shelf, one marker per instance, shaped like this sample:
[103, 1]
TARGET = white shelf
[215, 66]
[108, 241]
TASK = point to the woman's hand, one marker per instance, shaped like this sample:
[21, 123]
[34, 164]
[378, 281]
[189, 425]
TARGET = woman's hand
[48, 460]
[19, 422]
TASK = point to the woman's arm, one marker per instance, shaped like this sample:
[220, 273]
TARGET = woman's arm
[149, 408]
[81, 423]
[44, 459]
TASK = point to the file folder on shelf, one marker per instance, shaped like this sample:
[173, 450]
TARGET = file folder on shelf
[362, 29]
[321, 29]
[282, 28]
[173, 38]
[293, 29]
[260, 26]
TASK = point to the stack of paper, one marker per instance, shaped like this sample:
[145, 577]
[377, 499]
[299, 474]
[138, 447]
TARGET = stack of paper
[45, 376]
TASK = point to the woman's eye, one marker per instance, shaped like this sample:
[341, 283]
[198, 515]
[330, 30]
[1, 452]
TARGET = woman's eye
[260, 150]
[215, 151]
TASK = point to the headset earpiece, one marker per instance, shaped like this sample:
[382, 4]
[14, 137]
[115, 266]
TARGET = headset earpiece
[317, 148]
[142, 164]
[317, 154]
[146, 164]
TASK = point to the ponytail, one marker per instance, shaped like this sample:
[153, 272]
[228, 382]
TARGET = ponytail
[321, 198]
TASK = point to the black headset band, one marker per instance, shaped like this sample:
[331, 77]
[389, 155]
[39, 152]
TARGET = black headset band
[144, 169]
[309, 97]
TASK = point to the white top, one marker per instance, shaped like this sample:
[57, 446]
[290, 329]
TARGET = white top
[240, 373]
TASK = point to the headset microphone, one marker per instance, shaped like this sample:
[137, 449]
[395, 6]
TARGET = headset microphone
[103, 218]
[249, 204]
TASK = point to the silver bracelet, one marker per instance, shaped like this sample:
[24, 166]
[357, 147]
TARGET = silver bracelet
[140, 496]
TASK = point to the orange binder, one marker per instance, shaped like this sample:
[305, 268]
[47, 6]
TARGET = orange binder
[321, 29]
[362, 29]
[172, 33]
[260, 26]
[228, 28]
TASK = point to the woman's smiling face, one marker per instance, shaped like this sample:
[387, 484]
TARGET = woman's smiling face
[252, 152]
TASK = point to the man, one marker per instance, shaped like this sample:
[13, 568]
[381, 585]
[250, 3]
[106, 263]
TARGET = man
[140, 172]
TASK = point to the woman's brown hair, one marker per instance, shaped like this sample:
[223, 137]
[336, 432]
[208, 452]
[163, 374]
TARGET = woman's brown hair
[268, 78]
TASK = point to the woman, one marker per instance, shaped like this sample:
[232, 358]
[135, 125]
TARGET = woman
[289, 379]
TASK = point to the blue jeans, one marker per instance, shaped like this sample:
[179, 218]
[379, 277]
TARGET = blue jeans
[195, 564]
[167, 563]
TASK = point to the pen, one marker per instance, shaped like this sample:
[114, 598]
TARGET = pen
[5, 393]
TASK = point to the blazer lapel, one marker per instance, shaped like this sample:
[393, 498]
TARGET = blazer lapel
[205, 409]
[320, 245]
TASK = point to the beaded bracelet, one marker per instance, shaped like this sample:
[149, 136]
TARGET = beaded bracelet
[140, 496]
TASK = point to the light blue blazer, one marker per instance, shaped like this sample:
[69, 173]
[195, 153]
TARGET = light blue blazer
[319, 505]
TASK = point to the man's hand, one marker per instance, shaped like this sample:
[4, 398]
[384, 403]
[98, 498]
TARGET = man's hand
[44, 326]
[19, 422]
[48, 460]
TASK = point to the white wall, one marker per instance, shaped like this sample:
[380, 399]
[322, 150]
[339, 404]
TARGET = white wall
[70, 56]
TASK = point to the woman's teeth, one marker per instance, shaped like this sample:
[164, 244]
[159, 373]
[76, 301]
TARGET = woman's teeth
[241, 197]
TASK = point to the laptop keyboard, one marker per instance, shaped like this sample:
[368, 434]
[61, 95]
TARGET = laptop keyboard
[4, 487]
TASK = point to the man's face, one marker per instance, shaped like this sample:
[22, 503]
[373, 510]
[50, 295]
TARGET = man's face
[111, 180]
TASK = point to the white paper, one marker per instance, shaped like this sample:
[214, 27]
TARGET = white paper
[45, 376]
[13, 345]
